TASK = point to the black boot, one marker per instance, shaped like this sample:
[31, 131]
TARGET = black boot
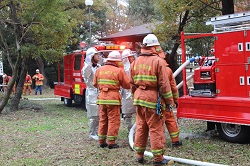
[114, 146]
[140, 160]
[176, 144]
[36, 93]
[164, 162]
[40, 93]
[103, 145]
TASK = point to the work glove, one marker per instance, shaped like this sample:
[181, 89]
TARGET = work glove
[176, 104]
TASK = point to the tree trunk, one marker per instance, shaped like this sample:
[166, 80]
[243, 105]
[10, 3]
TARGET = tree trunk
[172, 60]
[227, 7]
[17, 35]
[12, 82]
[19, 87]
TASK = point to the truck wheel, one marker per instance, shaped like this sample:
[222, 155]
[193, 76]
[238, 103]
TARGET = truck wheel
[233, 132]
[67, 102]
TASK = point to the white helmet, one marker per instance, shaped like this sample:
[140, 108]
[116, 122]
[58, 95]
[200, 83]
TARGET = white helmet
[114, 56]
[89, 54]
[126, 53]
[37, 70]
[150, 40]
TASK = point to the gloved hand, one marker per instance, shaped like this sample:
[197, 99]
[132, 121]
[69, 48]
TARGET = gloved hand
[171, 106]
[176, 104]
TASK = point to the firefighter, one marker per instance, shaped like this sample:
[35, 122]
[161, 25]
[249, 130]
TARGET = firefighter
[91, 93]
[128, 109]
[148, 82]
[170, 120]
[108, 79]
[6, 81]
[38, 77]
[27, 84]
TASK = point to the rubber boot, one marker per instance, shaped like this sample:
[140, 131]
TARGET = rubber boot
[176, 144]
[164, 162]
[114, 146]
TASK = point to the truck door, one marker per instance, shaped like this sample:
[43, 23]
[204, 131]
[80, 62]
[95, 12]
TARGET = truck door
[231, 80]
[229, 47]
[77, 76]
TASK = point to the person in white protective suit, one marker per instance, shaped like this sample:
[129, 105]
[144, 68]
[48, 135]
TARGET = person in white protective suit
[88, 72]
[128, 109]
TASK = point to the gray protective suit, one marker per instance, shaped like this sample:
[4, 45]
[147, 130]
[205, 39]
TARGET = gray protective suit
[88, 72]
[128, 109]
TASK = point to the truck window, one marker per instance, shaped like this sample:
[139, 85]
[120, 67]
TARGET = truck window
[77, 62]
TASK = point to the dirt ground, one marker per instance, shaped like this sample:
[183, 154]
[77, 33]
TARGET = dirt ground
[45, 132]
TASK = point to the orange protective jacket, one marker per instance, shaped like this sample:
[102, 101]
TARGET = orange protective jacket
[108, 79]
[39, 79]
[6, 80]
[28, 80]
[148, 77]
[173, 84]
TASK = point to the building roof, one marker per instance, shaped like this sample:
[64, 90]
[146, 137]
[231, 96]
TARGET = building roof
[134, 34]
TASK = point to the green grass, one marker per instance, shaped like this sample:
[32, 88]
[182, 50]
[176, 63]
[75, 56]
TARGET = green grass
[48, 133]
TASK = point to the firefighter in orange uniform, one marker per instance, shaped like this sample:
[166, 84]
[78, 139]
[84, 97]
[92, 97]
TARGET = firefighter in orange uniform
[38, 82]
[108, 79]
[6, 80]
[170, 120]
[27, 84]
[148, 82]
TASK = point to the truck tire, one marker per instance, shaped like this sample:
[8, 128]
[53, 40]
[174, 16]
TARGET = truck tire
[233, 133]
[67, 102]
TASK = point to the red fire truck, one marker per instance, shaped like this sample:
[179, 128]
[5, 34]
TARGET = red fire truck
[73, 87]
[221, 94]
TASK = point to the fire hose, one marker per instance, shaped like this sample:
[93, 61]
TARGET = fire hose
[180, 160]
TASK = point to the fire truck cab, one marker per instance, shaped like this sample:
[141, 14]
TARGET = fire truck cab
[221, 94]
[73, 86]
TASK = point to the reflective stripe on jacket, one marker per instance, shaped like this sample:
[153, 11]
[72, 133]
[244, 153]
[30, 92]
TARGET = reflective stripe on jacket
[148, 76]
[108, 79]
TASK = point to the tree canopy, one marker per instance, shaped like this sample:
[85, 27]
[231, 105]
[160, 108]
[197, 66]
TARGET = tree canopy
[43, 30]
[34, 30]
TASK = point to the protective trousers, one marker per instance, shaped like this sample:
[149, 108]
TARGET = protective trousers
[25, 88]
[171, 125]
[148, 122]
[93, 127]
[109, 123]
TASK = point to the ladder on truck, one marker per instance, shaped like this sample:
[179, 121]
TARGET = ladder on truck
[230, 22]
